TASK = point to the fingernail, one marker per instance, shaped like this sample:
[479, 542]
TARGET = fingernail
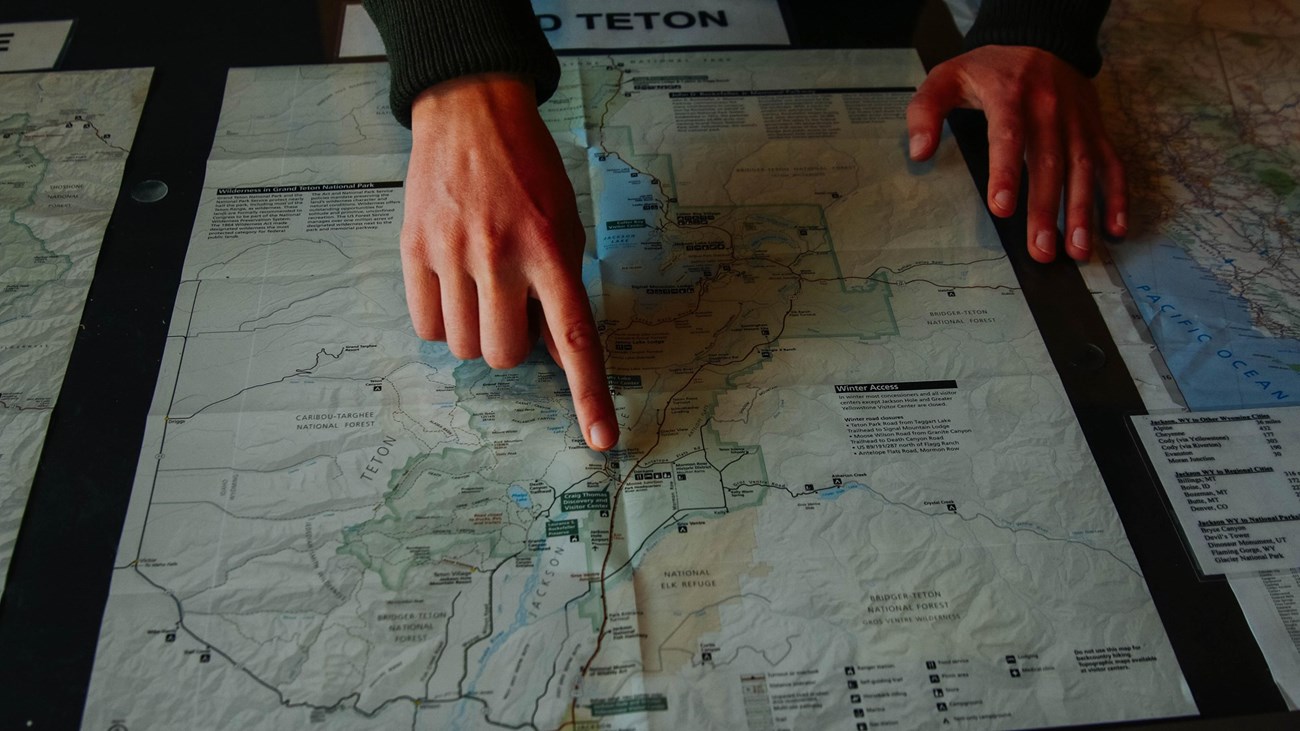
[1121, 222]
[1004, 200]
[1079, 239]
[603, 435]
[1045, 242]
[918, 144]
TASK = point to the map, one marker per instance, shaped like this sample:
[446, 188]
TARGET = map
[64, 139]
[1203, 98]
[1204, 297]
[851, 492]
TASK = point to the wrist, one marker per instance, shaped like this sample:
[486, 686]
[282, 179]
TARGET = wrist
[491, 94]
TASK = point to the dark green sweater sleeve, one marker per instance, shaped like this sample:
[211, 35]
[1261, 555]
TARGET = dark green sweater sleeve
[1067, 28]
[430, 41]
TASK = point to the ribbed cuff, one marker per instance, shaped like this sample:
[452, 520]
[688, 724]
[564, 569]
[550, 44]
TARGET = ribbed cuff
[1066, 28]
[430, 41]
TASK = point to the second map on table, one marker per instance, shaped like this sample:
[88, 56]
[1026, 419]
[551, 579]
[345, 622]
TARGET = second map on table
[1203, 97]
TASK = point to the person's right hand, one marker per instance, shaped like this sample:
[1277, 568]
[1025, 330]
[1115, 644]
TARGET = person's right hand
[492, 235]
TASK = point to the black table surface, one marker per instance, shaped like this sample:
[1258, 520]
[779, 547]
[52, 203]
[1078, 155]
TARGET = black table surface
[59, 578]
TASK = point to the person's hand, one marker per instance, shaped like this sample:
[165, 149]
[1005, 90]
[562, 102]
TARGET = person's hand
[492, 243]
[1040, 111]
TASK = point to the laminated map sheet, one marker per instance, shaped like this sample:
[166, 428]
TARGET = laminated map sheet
[1203, 298]
[64, 138]
[850, 490]
[1202, 98]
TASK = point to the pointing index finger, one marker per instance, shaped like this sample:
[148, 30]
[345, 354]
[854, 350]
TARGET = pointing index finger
[571, 335]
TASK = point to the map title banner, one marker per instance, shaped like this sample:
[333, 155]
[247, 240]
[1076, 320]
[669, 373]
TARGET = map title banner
[621, 24]
[577, 24]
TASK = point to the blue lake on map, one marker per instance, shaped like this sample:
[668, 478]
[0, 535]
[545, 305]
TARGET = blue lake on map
[520, 496]
[1218, 358]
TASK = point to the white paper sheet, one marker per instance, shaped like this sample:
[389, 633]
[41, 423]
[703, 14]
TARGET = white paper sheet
[589, 24]
[1233, 480]
[32, 46]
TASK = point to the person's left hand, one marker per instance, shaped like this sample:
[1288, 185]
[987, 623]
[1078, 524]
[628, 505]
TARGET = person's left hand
[1041, 111]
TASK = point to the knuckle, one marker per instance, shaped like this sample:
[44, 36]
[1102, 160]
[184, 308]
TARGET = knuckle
[432, 247]
[937, 76]
[1010, 134]
[1014, 86]
[574, 336]
[546, 229]
[489, 231]
[1050, 162]
[1047, 101]
[1084, 165]
[590, 400]
[553, 244]
[411, 241]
